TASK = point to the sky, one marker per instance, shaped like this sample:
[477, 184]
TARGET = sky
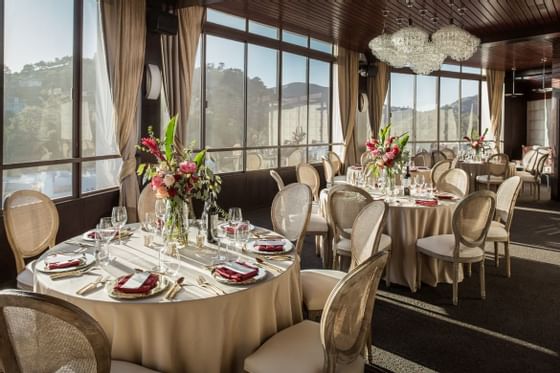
[41, 30]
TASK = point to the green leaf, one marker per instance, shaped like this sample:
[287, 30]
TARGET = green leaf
[141, 168]
[169, 137]
[199, 158]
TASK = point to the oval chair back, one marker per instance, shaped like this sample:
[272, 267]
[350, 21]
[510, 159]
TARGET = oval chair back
[367, 230]
[70, 339]
[454, 180]
[31, 222]
[308, 175]
[346, 320]
[471, 220]
[290, 212]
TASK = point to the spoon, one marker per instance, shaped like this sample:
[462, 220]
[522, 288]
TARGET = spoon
[174, 289]
[268, 265]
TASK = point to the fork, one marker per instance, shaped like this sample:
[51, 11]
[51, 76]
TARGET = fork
[93, 285]
[76, 273]
[204, 283]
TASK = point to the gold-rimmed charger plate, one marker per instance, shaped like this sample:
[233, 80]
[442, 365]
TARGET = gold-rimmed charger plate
[162, 284]
[86, 260]
[258, 277]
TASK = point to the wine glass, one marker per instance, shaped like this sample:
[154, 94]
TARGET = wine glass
[169, 256]
[242, 234]
[107, 232]
[160, 209]
[235, 216]
[119, 218]
[420, 183]
[150, 226]
[430, 189]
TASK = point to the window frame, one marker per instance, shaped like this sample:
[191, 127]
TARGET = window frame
[76, 158]
[280, 46]
[441, 74]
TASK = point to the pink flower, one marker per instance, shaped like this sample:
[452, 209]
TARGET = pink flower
[371, 144]
[151, 144]
[156, 182]
[187, 167]
[375, 152]
[396, 150]
[390, 155]
[169, 180]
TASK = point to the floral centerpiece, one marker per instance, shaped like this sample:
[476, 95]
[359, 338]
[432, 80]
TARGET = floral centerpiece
[177, 176]
[388, 153]
[476, 142]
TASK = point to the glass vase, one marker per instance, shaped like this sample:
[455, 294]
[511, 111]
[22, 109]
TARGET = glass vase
[177, 221]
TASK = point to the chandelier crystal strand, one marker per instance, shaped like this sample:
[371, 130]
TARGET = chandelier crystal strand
[455, 42]
[410, 39]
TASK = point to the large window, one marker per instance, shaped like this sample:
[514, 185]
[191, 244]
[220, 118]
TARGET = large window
[438, 111]
[265, 103]
[46, 146]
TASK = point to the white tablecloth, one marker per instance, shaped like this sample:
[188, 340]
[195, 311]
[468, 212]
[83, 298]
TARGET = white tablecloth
[407, 222]
[198, 331]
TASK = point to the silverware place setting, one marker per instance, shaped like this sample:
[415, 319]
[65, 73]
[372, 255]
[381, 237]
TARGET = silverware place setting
[100, 280]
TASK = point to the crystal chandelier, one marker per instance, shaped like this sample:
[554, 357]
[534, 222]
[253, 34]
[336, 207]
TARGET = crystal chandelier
[413, 47]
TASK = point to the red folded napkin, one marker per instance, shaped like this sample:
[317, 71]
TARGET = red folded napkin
[269, 246]
[427, 202]
[231, 229]
[64, 264]
[150, 283]
[232, 275]
[93, 235]
[445, 196]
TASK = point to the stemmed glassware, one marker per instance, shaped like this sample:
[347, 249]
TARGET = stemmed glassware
[118, 219]
[160, 209]
[242, 234]
[106, 232]
[235, 216]
[150, 226]
[420, 183]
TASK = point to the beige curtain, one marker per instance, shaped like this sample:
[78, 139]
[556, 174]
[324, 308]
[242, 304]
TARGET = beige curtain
[495, 84]
[178, 56]
[348, 62]
[377, 87]
[124, 29]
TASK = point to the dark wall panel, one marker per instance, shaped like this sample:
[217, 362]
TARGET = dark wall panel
[515, 126]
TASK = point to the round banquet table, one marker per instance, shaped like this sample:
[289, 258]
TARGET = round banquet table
[198, 331]
[477, 168]
[407, 222]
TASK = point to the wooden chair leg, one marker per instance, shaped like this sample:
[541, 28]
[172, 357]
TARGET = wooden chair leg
[508, 259]
[387, 272]
[369, 347]
[455, 284]
[317, 245]
[334, 258]
[482, 281]
[469, 269]
[418, 271]
[496, 254]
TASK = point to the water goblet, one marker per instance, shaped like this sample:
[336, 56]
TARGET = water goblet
[160, 210]
[242, 234]
[106, 232]
[149, 225]
[235, 215]
[119, 218]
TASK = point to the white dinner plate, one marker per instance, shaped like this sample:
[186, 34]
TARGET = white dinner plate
[288, 246]
[85, 258]
[260, 276]
[126, 233]
[224, 225]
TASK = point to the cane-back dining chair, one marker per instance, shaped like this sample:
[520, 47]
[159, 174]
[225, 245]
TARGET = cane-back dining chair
[438, 169]
[471, 222]
[31, 223]
[278, 179]
[40, 333]
[146, 202]
[506, 197]
[496, 168]
[336, 162]
[336, 344]
[455, 181]
[290, 212]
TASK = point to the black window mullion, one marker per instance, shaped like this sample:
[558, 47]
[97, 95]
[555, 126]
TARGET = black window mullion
[77, 98]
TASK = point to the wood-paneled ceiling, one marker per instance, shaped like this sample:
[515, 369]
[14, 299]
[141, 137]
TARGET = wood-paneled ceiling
[514, 32]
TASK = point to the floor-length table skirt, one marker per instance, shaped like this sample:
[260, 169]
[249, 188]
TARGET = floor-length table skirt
[407, 222]
[405, 225]
[198, 332]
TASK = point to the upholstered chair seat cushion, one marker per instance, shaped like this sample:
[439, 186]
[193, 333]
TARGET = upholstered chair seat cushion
[345, 245]
[296, 349]
[497, 232]
[119, 366]
[317, 223]
[442, 247]
[493, 179]
[525, 176]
